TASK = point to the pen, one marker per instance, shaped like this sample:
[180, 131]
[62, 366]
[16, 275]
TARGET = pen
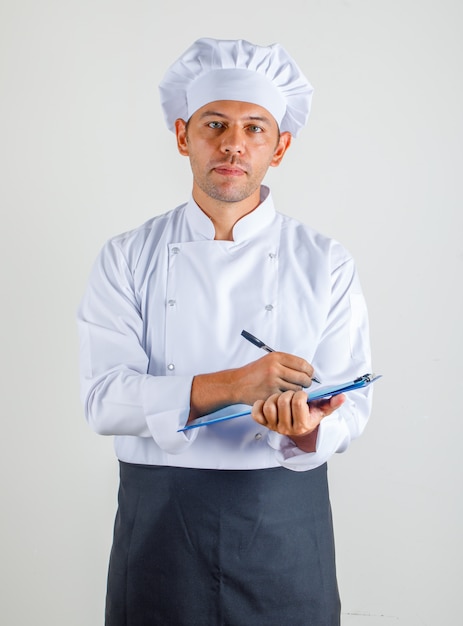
[263, 346]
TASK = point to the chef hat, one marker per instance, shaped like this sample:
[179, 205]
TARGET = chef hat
[213, 69]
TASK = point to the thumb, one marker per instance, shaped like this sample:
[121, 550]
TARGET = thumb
[336, 401]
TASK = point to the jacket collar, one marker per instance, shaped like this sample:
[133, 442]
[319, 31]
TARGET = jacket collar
[248, 226]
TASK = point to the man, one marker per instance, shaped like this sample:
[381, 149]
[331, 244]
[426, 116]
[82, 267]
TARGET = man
[229, 523]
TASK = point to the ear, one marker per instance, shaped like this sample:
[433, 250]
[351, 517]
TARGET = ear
[180, 132]
[283, 145]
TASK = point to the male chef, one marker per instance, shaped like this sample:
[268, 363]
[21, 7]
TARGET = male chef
[227, 523]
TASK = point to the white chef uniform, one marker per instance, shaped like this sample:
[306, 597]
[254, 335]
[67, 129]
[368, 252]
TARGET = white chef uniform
[166, 301]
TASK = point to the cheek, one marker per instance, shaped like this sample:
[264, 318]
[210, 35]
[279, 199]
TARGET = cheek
[264, 147]
[265, 156]
[203, 150]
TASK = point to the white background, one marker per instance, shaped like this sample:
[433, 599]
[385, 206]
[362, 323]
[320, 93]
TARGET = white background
[85, 155]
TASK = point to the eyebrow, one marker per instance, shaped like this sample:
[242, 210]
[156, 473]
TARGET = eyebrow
[256, 118]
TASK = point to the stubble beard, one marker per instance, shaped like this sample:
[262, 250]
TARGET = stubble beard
[229, 191]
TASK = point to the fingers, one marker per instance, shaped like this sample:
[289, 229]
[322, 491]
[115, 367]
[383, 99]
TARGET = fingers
[273, 373]
[290, 414]
[327, 405]
[291, 372]
[286, 413]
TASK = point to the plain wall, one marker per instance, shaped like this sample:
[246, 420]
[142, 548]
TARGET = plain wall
[85, 155]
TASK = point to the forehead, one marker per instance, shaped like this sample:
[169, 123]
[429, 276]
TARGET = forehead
[235, 110]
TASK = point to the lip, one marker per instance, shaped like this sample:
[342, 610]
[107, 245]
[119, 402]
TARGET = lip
[229, 170]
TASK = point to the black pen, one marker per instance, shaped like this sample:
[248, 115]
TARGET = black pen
[264, 346]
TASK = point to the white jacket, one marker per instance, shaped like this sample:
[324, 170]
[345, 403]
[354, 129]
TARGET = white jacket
[166, 301]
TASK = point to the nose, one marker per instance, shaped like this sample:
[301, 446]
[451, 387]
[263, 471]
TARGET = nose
[233, 141]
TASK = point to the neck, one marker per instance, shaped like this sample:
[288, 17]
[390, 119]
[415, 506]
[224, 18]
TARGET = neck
[224, 215]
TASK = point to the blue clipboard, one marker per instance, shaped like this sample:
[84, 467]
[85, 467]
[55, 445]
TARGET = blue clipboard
[322, 392]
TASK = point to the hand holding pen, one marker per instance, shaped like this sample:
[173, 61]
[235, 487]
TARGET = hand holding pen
[275, 373]
[263, 346]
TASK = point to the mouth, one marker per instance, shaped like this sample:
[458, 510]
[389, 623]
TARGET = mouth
[229, 170]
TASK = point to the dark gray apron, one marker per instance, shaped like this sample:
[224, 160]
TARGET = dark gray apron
[196, 547]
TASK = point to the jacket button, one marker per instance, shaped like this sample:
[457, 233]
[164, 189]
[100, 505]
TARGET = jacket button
[171, 367]
[269, 307]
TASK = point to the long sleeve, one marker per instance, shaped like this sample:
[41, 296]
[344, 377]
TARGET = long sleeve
[120, 397]
[343, 353]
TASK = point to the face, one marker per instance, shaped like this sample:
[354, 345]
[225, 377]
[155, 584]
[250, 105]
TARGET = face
[230, 145]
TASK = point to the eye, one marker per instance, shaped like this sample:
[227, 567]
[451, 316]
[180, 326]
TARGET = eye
[255, 129]
[215, 125]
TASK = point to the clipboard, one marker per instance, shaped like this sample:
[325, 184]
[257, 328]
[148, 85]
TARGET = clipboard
[319, 394]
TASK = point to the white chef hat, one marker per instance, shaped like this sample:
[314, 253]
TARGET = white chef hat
[213, 69]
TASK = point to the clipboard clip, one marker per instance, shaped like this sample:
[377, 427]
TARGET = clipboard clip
[366, 378]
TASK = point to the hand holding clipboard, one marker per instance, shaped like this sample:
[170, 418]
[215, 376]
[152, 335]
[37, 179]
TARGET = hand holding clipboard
[323, 392]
